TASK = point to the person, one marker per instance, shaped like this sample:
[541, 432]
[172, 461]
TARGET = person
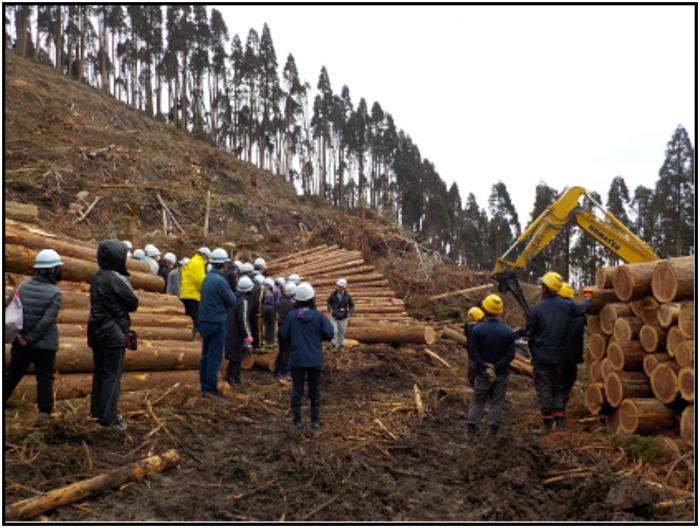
[230, 273]
[174, 278]
[166, 265]
[256, 306]
[216, 299]
[246, 268]
[139, 254]
[294, 278]
[278, 289]
[474, 316]
[269, 308]
[239, 330]
[306, 328]
[548, 331]
[129, 247]
[259, 266]
[37, 342]
[111, 300]
[152, 256]
[575, 344]
[283, 308]
[192, 275]
[340, 306]
[491, 347]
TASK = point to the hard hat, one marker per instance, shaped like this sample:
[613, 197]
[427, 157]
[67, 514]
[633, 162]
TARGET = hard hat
[566, 291]
[493, 304]
[244, 284]
[237, 263]
[205, 251]
[305, 292]
[218, 256]
[475, 314]
[151, 251]
[47, 258]
[128, 244]
[259, 278]
[588, 292]
[552, 280]
[246, 267]
[260, 263]
[139, 254]
[170, 257]
[290, 289]
[342, 283]
[294, 278]
[269, 282]
[184, 261]
[279, 281]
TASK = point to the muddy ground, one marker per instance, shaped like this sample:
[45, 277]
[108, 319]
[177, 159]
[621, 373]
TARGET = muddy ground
[375, 457]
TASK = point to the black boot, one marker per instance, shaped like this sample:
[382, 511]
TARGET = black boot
[559, 421]
[545, 428]
[472, 430]
[493, 430]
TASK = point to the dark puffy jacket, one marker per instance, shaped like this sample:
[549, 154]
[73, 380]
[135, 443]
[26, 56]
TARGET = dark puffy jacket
[549, 329]
[492, 342]
[575, 346]
[283, 308]
[306, 329]
[231, 277]
[215, 298]
[41, 302]
[164, 271]
[239, 325]
[340, 305]
[269, 304]
[111, 298]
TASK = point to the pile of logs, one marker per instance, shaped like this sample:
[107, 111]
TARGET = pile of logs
[641, 348]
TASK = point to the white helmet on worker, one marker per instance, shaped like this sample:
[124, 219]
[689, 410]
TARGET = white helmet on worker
[170, 257]
[204, 251]
[128, 244]
[246, 267]
[342, 283]
[238, 264]
[290, 289]
[260, 263]
[305, 292]
[218, 256]
[152, 251]
[244, 284]
[294, 278]
[279, 281]
[47, 258]
[259, 279]
[184, 261]
[139, 254]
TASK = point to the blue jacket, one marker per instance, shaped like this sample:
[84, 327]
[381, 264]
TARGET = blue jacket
[492, 342]
[306, 329]
[549, 330]
[578, 323]
[216, 297]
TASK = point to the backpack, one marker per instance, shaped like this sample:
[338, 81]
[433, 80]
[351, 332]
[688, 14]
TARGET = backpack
[14, 317]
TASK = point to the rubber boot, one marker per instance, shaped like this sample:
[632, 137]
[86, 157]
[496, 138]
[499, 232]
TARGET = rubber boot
[472, 431]
[315, 415]
[559, 421]
[545, 428]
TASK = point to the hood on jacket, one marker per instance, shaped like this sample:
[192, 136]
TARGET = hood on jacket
[306, 315]
[111, 255]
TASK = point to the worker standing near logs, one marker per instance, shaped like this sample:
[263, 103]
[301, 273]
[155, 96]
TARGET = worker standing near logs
[111, 300]
[474, 316]
[239, 330]
[37, 341]
[175, 278]
[152, 256]
[166, 265]
[575, 346]
[491, 348]
[340, 306]
[216, 299]
[283, 308]
[269, 308]
[257, 298]
[193, 274]
[306, 328]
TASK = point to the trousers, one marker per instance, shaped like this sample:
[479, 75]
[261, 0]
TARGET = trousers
[213, 340]
[269, 323]
[549, 386]
[313, 374]
[106, 383]
[192, 309]
[494, 393]
[340, 327]
[570, 372]
[44, 366]
[282, 360]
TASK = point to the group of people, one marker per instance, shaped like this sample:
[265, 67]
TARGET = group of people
[555, 337]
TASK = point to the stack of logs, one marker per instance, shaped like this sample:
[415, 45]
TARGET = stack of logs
[641, 348]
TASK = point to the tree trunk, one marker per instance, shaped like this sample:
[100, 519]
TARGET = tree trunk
[627, 328]
[686, 319]
[633, 281]
[668, 314]
[684, 353]
[22, 212]
[150, 333]
[418, 334]
[652, 337]
[103, 56]
[265, 361]
[600, 298]
[29, 508]
[81, 59]
[183, 97]
[645, 416]
[455, 336]
[76, 299]
[137, 319]
[59, 38]
[597, 345]
[686, 383]
[674, 279]
[651, 361]
[594, 397]
[673, 340]
[664, 381]
[610, 313]
[626, 356]
[621, 385]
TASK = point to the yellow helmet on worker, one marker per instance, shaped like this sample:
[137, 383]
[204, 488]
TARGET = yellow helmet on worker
[493, 304]
[475, 314]
[552, 280]
[567, 291]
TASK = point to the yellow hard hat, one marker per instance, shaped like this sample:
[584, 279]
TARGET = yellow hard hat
[552, 280]
[493, 304]
[475, 314]
[567, 291]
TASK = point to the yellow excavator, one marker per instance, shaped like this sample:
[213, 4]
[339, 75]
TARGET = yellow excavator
[608, 230]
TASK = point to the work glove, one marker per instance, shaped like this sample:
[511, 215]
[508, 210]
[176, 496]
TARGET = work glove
[490, 372]
[248, 343]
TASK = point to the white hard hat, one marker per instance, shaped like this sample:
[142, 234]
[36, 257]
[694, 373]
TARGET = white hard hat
[170, 257]
[305, 292]
[151, 251]
[260, 263]
[205, 251]
[279, 281]
[260, 279]
[290, 289]
[244, 284]
[294, 278]
[238, 264]
[128, 244]
[342, 283]
[139, 253]
[47, 258]
[246, 267]
[269, 282]
[219, 256]
[184, 261]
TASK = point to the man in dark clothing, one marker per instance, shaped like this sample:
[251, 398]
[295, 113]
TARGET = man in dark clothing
[575, 345]
[549, 330]
[491, 348]
[306, 328]
[230, 273]
[340, 306]
[165, 266]
[37, 342]
[474, 316]
[239, 331]
[216, 299]
[111, 300]
[285, 305]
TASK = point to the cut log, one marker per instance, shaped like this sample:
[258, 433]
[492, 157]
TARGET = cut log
[455, 336]
[626, 356]
[597, 345]
[29, 508]
[653, 359]
[22, 212]
[674, 279]
[686, 383]
[600, 298]
[248, 361]
[464, 291]
[418, 334]
[604, 277]
[686, 319]
[597, 372]
[291, 256]
[608, 367]
[674, 338]
[684, 353]
[649, 310]
[633, 281]
[688, 425]
[621, 385]
[645, 416]
[594, 397]
[668, 314]
[627, 328]
[664, 382]
[265, 361]
[148, 333]
[20, 259]
[636, 307]
[610, 313]
[137, 319]
[72, 299]
[652, 337]
[593, 324]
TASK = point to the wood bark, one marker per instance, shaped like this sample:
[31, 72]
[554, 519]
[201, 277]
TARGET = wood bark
[265, 361]
[686, 383]
[148, 333]
[248, 361]
[610, 313]
[621, 385]
[137, 319]
[77, 300]
[22, 212]
[594, 397]
[633, 281]
[418, 334]
[345, 260]
[593, 324]
[626, 356]
[455, 336]
[684, 353]
[686, 319]
[674, 279]
[688, 424]
[674, 338]
[664, 381]
[668, 314]
[627, 328]
[645, 415]
[597, 345]
[604, 277]
[653, 359]
[29, 508]
[652, 337]
[600, 298]
[352, 274]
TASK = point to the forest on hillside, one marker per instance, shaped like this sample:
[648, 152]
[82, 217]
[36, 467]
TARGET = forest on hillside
[179, 64]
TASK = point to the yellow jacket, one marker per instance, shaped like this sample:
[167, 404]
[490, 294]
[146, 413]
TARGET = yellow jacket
[192, 276]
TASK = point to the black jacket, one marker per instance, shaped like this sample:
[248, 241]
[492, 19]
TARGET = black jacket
[285, 305]
[549, 329]
[41, 302]
[575, 346]
[240, 324]
[164, 271]
[111, 298]
[492, 342]
[340, 305]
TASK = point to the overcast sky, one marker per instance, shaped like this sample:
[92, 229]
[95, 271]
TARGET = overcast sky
[568, 95]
